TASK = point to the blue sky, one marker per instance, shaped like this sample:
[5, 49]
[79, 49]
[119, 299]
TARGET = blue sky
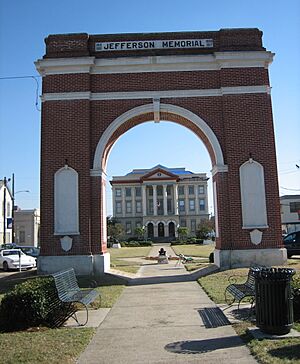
[25, 24]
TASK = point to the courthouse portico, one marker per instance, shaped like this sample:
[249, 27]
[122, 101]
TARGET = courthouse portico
[160, 199]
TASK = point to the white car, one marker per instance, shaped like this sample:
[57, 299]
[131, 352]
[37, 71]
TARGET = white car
[10, 259]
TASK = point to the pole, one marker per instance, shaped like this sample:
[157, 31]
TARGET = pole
[13, 209]
[4, 211]
[20, 269]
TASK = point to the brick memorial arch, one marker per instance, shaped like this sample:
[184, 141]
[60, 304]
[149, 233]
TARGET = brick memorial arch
[96, 87]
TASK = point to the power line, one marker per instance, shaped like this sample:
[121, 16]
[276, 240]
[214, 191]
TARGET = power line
[289, 189]
[35, 78]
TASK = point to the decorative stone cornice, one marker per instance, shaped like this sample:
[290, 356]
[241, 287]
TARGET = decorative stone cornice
[219, 169]
[131, 95]
[204, 62]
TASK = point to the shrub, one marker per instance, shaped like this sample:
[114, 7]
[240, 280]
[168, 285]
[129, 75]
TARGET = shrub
[296, 294]
[134, 243]
[211, 258]
[30, 304]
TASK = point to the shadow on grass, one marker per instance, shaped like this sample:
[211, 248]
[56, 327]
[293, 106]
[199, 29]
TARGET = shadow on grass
[9, 280]
[288, 352]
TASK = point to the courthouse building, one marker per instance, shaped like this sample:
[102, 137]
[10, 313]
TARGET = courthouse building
[161, 199]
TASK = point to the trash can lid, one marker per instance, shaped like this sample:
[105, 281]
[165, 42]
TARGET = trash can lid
[272, 273]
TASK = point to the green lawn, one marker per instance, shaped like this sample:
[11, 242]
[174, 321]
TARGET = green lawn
[118, 258]
[126, 252]
[44, 346]
[283, 351]
[215, 284]
[194, 250]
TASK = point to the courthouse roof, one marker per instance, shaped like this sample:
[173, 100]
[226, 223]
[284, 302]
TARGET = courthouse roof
[163, 173]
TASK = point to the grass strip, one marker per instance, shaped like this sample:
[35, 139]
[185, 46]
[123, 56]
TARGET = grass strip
[44, 346]
[194, 250]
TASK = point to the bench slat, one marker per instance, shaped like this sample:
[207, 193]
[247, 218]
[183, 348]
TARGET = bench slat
[239, 291]
[69, 292]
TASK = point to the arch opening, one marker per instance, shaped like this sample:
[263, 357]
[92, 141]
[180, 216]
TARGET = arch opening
[145, 113]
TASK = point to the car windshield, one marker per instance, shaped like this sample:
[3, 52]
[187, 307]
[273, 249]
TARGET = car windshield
[31, 250]
[11, 252]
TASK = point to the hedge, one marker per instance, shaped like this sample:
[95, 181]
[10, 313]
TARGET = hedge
[30, 304]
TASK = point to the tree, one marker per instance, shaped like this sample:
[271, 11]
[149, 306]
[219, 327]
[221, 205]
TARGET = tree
[182, 232]
[139, 232]
[205, 228]
[114, 229]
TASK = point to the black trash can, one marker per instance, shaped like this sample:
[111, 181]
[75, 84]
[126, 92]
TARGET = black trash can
[273, 300]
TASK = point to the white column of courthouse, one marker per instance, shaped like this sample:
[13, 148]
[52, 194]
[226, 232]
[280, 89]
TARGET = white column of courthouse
[154, 200]
[186, 199]
[175, 194]
[133, 201]
[197, 200]
[144, 200]
[123, 202]
[165, 200]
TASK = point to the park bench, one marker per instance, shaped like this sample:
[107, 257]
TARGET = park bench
[71, 295]
[239, 291]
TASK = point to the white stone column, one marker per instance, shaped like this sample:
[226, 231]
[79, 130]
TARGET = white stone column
[175, 201]
[154, 200]
[133, 201]
[197, 200]
[165, 200]
[144, 200]
[123, 202]
[186, 199]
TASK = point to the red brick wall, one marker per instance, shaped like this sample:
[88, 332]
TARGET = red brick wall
[72, 129]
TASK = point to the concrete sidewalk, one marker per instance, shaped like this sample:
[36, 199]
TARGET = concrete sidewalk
[159, 319]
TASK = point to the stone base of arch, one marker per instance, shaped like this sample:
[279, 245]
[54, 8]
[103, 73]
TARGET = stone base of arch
[241, 258]
[85, 265]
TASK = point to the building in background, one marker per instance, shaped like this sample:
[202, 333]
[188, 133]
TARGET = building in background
[27, 227]
[160, 199]
[290, 213]
[6, 203]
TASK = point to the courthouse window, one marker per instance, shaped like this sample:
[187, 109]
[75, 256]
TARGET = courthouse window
[202, 205]
[181, 205]
[193, 226]
[128, 192]
[128, 206]
[118, 192]
[192, 205]
[201, 190]
[150, 206]
[118, 207]
[128, 228]
[138, 191]
[191, 190]
[180, 190]
[138, 206]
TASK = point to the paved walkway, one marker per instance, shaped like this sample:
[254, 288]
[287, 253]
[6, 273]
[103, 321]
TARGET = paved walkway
[157, 319]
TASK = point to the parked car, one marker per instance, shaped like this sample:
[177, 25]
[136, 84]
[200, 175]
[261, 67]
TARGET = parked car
[292, 243]
[10, 259]
[29, 250]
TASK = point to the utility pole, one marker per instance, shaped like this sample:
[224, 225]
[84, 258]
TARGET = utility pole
[4, 208]
[13, 209]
